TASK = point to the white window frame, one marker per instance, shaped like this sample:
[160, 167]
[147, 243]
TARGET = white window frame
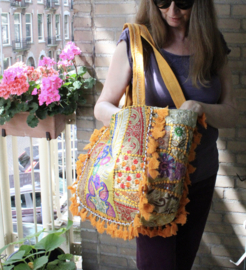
[40, 1]
[8, 28]
[58, 29]
[66, 26]
[9, 58]
[65, 2]
[30, 26]
[17, 13]
[42, 29]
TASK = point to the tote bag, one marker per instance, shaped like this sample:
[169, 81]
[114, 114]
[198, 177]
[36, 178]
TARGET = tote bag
[134, 177]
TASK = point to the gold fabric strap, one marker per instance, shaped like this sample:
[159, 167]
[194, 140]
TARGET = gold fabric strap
[170, 80]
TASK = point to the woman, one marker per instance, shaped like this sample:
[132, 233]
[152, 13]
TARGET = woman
[186, 34]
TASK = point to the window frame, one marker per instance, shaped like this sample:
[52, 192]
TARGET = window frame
[31, 41]
[8, 29]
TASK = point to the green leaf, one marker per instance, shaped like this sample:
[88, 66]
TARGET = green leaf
[18, 255]
[41, 114]
[1, 77]
[50, 242]
[82, 70]
[89, 83]
[62, 266]
[39, 262]
[8, 267]
[55, 262]
[22, 266]
[5, 247]
[65, 257]
[73, 75]
[77, 84]
[26, 248]
[32, 120]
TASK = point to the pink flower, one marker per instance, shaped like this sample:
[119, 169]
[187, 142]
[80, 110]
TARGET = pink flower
[49, 90]
[46, 61]
[35, 91]
[70, 51]
[64, 64]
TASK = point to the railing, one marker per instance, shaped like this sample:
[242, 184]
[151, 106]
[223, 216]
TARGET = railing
[19, 4]
[21, 44]
[56, 170]
[50, 4]
[51, 41]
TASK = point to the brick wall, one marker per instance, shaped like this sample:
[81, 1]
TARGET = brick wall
[97, 26]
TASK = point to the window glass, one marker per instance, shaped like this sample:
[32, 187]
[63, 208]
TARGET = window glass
[23, 201]
[57, 26]
[38, 199]
[40, 27]
[28, 27]
[5, 28]
[12, 201]
[6, 63]
[17, 27]
[66, 26]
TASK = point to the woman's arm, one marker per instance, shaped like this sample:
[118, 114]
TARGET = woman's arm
[224, 114]
[118, 78]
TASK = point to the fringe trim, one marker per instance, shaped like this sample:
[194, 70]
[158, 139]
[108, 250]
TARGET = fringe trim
[128, 232]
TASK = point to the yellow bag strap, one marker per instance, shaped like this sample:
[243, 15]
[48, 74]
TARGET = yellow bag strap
[138, 86]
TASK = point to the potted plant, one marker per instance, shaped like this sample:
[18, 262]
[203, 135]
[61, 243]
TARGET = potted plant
[43, 92]
[44, 255]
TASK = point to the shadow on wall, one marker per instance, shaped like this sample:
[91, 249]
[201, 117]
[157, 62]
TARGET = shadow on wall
[224, 237]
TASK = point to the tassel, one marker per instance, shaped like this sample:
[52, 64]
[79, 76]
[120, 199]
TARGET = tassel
[109, 228]
[83, 213]
[114, 230]
[119, 232]
[137, 223]
[174, 228]
[100, 226]
[72, 189]
[145, 208]
[125, 234]
[152, 145]
[74, 207]
[130, 232]
[154, 165]
[202, 120]
[191, 169]
[93, 220]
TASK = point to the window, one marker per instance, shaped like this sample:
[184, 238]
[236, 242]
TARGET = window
[50, 54]
[38, 199]
[30, 62]
[49, 26]
[17, 27]
[5, 28]
[6, 63]
[40, 1]
[29, 27]
[65, 2]
[58, 32]
[40, 27]
[66, 27]
[19, 58]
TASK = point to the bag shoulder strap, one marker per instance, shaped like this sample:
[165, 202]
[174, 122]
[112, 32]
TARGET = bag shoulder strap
[170, 80]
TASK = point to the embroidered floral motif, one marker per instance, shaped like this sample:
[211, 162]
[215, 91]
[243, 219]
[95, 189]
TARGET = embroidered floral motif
[167, 166]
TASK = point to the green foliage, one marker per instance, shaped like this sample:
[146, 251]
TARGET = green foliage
[38, 255]
[71, 93]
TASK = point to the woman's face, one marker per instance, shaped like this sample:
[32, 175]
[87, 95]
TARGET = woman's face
[176, 17]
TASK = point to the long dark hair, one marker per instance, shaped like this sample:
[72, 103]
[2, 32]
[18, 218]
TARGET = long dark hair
[205, 40]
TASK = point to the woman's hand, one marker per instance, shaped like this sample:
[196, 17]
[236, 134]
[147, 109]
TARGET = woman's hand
[192, 105]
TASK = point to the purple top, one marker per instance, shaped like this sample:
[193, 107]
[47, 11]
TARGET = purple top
[206, 162]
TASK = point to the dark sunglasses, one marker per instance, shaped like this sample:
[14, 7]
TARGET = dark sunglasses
[181, 4]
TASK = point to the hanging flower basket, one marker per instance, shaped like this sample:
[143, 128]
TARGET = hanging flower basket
[18, 126]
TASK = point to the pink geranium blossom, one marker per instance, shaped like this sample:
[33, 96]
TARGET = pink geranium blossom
[64, 63]
[46, 61]
[70, 51]
[49, 90]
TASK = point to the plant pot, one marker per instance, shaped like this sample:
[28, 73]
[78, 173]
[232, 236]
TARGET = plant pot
[17, 126]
